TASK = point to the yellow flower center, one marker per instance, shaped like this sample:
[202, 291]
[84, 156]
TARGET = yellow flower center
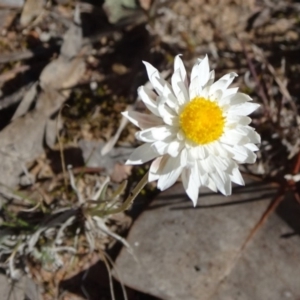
[202, 121]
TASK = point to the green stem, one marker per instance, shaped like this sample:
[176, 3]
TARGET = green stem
[131, 196]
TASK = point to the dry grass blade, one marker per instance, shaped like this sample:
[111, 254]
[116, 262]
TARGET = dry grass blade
[111, 143]
[281, 85]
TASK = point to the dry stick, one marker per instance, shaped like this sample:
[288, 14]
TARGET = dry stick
[255, 76]
[282, 87]
[61, 148]
[271, 208]
[292, 183]
[273, 205]
[297, 165]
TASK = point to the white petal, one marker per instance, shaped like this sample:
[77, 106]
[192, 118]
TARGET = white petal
[179, 88]
[170, 99]
[204, 92]
[228, 78]
[191, 184]
[251, 147]
[248, 131]
[232, 137]
[211, 184]
[234, 99]
[178, 65]
[195, 88]
[226, 188]
[174, 148]
[220, 150]
[221, 182]
[211, 78]
[191, 158]
[156, 164]
[231, 164]
[236, 177]
[211, 148]
[216, 96]
[237, 155]
[203, 71]
[161, 147]
[204, 179]
[155, 78]
[223, 83]
[240, 120]
[208, 164]
[194, 73]
[169, 117]
[243, 154]
[230, 91]
[154, 168]
[220, 163]
[180, 135]
[183, 157]
[169, 173]
[243, 109]
[152, 177]
[254, 137]
[147, 97]
[141, 155]
[199, 152]
[143, 121]
[153, 134]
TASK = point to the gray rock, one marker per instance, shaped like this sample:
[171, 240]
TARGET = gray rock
[192, 253]
[11, 291]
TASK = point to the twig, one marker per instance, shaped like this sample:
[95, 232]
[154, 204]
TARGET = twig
[282, 86]
[61, 148]
[271, 208]
[261, 91]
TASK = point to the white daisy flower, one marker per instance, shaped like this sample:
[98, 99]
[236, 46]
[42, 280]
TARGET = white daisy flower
[199, 130]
